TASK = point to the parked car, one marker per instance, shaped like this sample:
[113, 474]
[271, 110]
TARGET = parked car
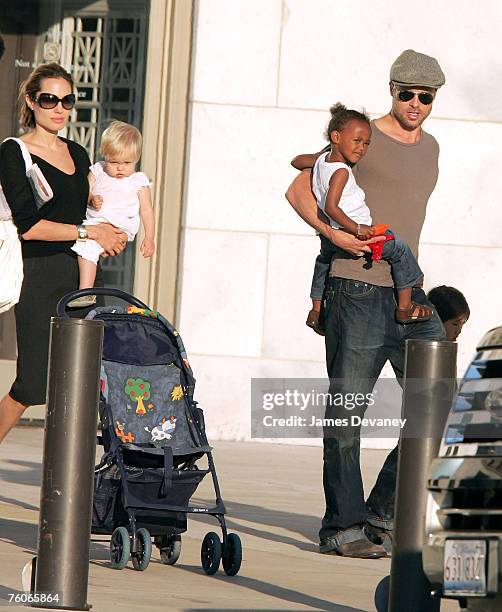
[462, 553]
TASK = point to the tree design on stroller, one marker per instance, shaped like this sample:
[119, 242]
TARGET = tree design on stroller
[153, 435]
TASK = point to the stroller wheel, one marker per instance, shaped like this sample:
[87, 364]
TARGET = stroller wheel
[141, 558]
[170, 549]
[210, 553]
[120, 548]
[232, 554]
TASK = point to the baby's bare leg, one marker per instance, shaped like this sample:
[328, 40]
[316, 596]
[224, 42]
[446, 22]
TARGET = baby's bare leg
[87, 273]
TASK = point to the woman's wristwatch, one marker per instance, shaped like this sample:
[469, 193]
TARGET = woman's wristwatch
[82, 233]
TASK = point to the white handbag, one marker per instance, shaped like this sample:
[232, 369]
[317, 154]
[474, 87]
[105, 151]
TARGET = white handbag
[11, 265]
[11, 260]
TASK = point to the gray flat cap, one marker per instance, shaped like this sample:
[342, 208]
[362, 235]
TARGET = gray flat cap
[413, 68]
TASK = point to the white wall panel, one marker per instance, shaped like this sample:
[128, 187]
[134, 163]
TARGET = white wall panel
[476, 272]
[238, 166]
[237, 51]
[465, 207]
[340, 50]
[287, 302]
[222, 292]
[224, 389]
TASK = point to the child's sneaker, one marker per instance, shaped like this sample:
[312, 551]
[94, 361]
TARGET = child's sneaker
[83, 302]
[313, 322]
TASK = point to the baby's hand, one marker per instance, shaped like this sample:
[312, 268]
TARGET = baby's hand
[365, 232]
[96, 201]
[147, 247]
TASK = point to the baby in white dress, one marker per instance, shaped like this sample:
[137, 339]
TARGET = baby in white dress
[120, 196]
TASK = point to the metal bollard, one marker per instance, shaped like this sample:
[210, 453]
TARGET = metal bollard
[68, 466]
[429, 387]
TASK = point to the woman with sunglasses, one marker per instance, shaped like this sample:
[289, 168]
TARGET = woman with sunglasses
[47, 233]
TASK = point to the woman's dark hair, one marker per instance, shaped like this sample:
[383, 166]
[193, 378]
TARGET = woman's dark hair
[448, 302]
[32, 86]
[340, 116]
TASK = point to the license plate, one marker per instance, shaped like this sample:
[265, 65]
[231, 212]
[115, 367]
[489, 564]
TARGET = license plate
[464, 567]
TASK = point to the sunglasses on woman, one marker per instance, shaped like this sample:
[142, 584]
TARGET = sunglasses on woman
[48, 101]
[405, 95]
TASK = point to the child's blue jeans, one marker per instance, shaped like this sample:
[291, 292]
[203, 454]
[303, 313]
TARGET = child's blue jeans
[321, 268]
[405, 269]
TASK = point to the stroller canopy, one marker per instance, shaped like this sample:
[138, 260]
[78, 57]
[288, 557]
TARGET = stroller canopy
[146, 382]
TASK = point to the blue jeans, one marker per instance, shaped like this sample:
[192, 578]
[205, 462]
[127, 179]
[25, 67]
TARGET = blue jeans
[405, 269]
[361, 335]
[321, 268]
[406, 272]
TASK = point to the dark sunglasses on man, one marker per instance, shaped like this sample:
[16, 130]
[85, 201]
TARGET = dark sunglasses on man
[405, 95]
[48, 101]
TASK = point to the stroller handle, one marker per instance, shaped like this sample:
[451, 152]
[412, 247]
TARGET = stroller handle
[110, 291]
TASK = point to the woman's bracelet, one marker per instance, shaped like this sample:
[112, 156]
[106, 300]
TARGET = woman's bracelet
[358, 231]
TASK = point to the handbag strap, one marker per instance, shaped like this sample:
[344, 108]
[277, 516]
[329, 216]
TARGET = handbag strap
[28, 162]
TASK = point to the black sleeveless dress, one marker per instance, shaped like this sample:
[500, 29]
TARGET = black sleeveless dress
[50, 268]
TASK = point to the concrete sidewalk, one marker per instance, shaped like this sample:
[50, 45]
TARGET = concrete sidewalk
[273, 494]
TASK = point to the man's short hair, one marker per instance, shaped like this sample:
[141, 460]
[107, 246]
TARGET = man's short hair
[414, 69]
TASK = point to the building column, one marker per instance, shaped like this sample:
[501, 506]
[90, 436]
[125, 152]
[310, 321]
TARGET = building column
[164, 133]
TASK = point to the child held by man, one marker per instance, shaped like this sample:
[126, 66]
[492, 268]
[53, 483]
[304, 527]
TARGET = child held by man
[343, 202]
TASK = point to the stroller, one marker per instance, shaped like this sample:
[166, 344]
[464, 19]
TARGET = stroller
[153, 434]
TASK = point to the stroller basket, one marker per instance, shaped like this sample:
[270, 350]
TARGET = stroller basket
[149, 487]
[145, 489]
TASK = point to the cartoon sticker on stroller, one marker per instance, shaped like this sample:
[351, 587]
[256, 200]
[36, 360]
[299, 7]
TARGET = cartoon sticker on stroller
[120, 431]
[138, 390]
[163, 430]
[177, 393]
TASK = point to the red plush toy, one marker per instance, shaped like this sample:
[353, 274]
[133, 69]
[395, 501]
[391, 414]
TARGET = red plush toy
[377, 248]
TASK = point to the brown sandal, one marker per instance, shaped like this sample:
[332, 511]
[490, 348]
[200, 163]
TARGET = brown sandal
[313, 322]
[414, 314]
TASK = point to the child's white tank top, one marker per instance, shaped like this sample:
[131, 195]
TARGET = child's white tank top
[352, 201]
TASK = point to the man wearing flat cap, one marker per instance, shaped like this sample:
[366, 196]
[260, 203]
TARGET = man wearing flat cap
[398, 175]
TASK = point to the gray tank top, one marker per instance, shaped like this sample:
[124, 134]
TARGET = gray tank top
[398, 180]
